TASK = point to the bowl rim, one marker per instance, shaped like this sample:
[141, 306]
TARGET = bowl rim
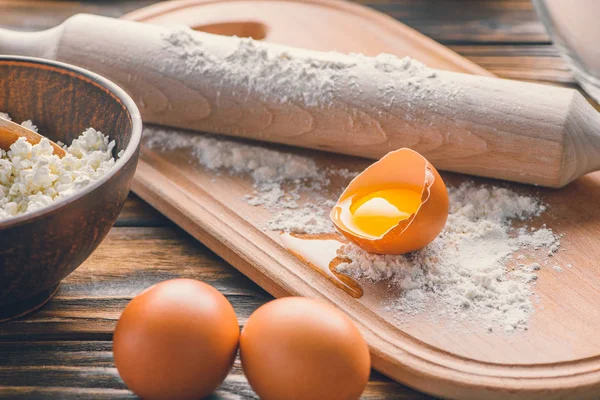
[130, 150]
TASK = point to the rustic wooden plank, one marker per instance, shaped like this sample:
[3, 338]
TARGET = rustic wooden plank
[136, 212]
[541, 63]
[452, 21]
[535, 63]
[448, 21]
[91, 319]
[65, 393]
[129, 260]
[38, 14]
[87, 369]
[234, 388]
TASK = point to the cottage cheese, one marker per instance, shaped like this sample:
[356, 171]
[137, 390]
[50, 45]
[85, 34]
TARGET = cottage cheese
[32, 177]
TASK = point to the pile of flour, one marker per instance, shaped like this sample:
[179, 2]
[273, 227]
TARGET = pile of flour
[463, 273]
[468, 273]
[32, 177]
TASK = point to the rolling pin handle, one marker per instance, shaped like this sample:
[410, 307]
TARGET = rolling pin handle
[42, 44]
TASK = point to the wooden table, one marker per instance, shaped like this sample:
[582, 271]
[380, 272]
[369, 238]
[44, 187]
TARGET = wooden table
[64, 349]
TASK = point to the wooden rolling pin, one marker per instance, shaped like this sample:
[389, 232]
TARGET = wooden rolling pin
[341, 103]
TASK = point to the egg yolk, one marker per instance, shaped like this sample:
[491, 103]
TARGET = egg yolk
[375, 213]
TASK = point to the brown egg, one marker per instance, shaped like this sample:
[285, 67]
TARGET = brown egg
[300, 349]
[176, 340]
[397, 205]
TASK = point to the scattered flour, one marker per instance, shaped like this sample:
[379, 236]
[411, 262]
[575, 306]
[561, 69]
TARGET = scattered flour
[466, 273]
[463, 273]
[311, 219]
[279, 177]
[32, 177]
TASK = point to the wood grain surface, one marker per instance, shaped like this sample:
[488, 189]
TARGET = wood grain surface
[63, 351]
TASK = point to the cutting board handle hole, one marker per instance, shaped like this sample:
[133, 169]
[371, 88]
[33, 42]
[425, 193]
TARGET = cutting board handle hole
[245, 29]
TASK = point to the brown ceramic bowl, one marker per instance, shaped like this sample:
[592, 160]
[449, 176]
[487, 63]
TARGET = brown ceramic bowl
[38, 250]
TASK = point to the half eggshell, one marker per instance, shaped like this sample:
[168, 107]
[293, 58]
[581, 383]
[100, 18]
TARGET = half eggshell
[403, 168]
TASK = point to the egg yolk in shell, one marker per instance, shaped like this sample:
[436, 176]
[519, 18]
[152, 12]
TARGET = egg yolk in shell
[397, 205]
[374, 212]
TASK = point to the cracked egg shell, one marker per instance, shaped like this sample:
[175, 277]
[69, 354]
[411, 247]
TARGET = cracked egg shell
[410, 207]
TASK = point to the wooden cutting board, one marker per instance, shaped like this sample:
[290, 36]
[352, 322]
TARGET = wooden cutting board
[557, 357]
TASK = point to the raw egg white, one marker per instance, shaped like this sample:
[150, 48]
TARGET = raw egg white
[397, 205]
[297, 348]
[176, 341]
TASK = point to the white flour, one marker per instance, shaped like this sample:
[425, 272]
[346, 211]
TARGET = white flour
[311, 219]
[281, 74]
[279, 178]
[32, 177]
[463, 273]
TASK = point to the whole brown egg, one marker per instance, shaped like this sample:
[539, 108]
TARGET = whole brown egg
[176, 340]
[301, 349]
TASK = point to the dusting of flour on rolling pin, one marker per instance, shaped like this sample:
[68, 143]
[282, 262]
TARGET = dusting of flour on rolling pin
[32, 177]
[297, 96]
[283, 74]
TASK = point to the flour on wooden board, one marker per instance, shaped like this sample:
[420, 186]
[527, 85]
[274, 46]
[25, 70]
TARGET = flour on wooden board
[468, 272]
[279, 178]
[463, 273]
